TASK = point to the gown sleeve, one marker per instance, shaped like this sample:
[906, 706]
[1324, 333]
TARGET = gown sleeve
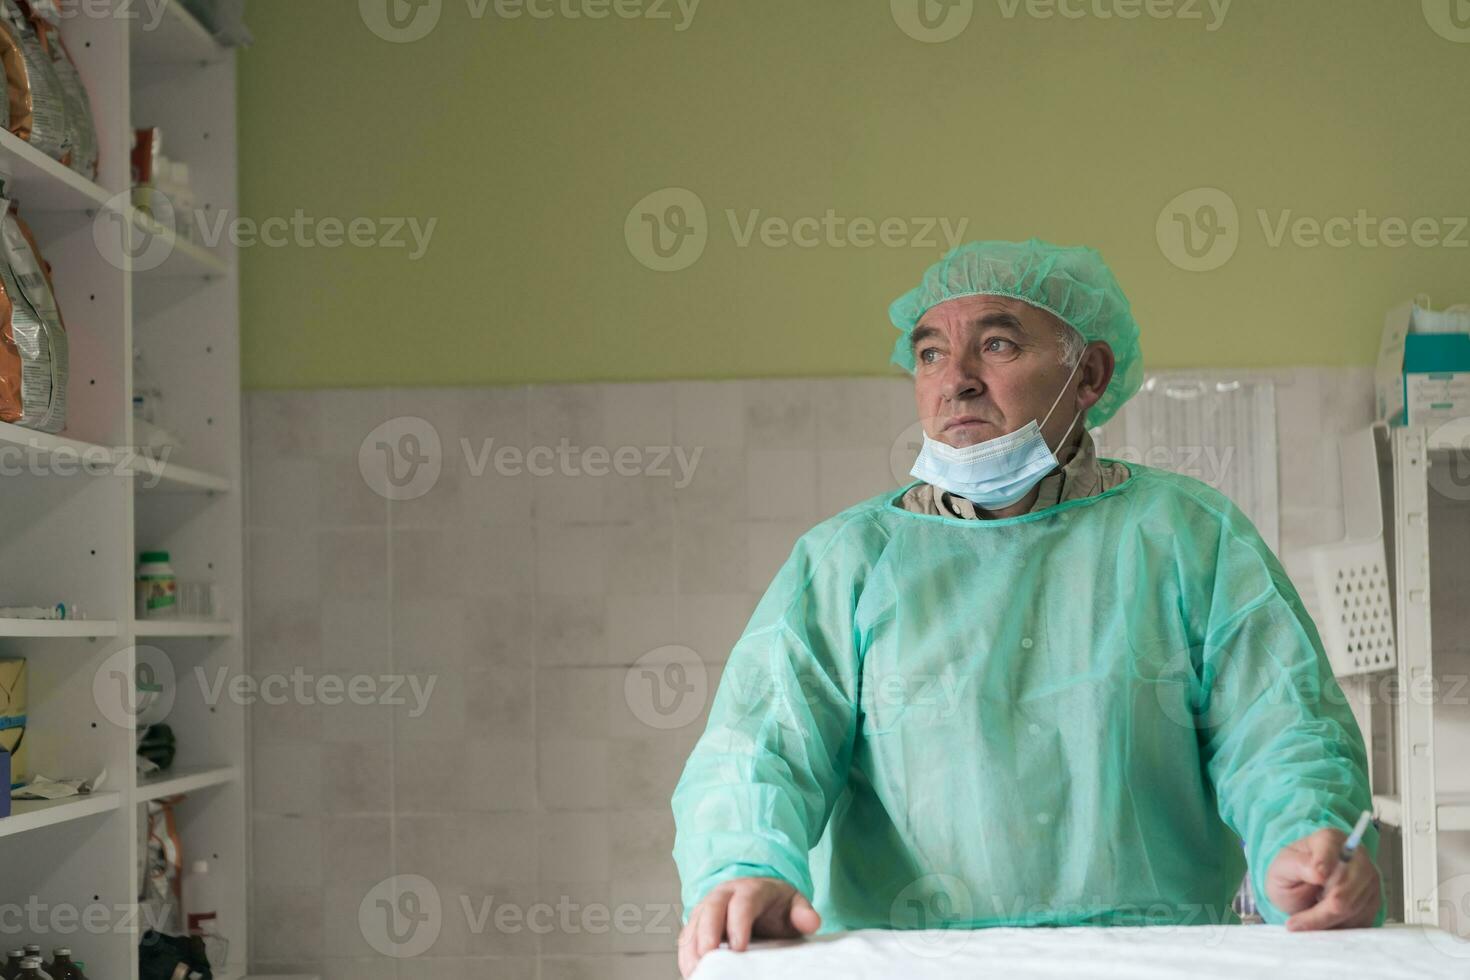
[760, 785]
[1277, 736]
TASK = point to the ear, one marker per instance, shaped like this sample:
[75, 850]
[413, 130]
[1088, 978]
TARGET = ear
[1094, 374]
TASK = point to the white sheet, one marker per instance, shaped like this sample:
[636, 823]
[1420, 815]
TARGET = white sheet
[1126, 953]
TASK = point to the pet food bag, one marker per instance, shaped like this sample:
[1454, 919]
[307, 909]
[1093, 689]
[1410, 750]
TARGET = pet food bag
[33, 349]
[81, 126]
[37, 105]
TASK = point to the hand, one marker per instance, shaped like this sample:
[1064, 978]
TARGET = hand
[742, 908]
[1307, 881]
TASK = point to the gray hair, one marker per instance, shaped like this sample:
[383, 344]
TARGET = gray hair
[1072, 344]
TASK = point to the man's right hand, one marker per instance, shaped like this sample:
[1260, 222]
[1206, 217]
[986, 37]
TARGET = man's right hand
[741, 909]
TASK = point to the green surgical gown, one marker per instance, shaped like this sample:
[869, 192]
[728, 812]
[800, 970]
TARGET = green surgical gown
[1074, 716]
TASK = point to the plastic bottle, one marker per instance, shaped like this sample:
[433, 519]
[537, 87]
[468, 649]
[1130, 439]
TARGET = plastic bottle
[157, 586]
[201, 909]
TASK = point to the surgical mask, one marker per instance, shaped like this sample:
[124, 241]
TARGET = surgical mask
[998, 472]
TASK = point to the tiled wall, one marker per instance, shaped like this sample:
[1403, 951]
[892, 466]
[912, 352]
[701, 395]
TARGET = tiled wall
[539, 775]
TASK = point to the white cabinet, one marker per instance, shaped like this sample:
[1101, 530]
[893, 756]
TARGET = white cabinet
[70, 532]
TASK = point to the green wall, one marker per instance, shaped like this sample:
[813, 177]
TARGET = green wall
[529, 140]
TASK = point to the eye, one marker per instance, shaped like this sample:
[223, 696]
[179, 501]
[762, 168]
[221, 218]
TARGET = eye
[998, 345]
[924, 357]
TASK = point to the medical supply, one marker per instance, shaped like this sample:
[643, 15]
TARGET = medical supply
[30, 969]
[201, 911]
[61, 966]
[1436, 378]
[1072, 283]
[161, 187]
[33, 348]
[59, 611]
[197, 600]
[1124, 685]
[13, 960]
[1350, 846]
[157, 587]
[13, 719]
[1423, 371]
[997, 472]
[45, 788]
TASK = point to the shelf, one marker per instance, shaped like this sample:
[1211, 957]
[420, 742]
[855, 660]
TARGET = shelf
[176, 40]
[185, 259]
[1452, 811]
[69, 456]
[177, 782]
[183, 627]
[39, 183]
[156, 476]
[58, 627]
[27, 815]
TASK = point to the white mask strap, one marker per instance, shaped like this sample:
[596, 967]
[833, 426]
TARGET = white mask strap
[1057, 400]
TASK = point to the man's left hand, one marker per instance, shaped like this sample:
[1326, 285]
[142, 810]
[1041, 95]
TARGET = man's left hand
[1310, 883]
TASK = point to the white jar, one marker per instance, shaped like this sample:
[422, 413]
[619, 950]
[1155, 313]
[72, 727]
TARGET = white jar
[157, 587]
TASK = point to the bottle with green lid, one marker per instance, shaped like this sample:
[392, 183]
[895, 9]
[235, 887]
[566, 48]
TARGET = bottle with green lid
[157, 586]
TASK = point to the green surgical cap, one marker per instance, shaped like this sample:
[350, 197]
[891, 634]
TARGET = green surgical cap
[1072, 282]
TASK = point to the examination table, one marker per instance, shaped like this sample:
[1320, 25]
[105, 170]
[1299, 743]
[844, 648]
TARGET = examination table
[1237, 952]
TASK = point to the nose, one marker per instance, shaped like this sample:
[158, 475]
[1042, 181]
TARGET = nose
[961, 379]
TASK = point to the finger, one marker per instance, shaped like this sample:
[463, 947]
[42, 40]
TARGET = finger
[687, 957]
[1324, 849]
[1360, 891]
[1295, 869]
[1325, 914]
[712, 923]
[804, 918]
[741, 918]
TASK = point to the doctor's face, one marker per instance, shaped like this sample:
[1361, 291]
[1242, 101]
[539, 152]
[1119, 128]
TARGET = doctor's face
[987, 365]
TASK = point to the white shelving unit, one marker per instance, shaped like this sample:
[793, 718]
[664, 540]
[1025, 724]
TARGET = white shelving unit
[1417, 739]
[79, 506]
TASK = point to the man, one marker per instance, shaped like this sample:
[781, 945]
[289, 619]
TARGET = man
[1035, 687]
